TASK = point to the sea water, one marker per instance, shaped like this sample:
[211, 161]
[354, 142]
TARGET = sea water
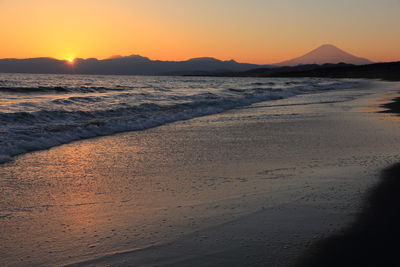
[42, 111]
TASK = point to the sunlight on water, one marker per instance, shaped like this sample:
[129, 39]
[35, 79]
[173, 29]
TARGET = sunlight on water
[42, 111]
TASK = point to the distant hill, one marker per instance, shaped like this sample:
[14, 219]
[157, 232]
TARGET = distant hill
[386, 71]
[119, 65]
[326, 54]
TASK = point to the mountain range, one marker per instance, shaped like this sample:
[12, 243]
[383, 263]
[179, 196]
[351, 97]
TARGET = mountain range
[139, 65]
[130, 65]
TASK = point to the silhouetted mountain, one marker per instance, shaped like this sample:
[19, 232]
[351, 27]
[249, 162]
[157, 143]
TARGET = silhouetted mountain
[326, 54]
[130, 65]
[115, 56]
[203, 59]
[34, 65]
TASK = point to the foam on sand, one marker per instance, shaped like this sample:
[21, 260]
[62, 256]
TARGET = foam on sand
[43, 117]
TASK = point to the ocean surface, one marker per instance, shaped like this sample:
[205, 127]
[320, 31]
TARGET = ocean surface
[246, 186]
[42, 111]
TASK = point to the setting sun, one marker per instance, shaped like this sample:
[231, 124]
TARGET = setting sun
[53, 32]
[199, 133]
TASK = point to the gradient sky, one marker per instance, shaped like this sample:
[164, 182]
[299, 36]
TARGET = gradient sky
[260, 31]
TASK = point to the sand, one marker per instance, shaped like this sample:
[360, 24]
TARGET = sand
[248, 187]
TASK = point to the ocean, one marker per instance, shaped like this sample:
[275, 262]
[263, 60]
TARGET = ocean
[41, 111]
[276, 163]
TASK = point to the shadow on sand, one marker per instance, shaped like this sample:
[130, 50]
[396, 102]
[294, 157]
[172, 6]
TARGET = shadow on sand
[374, 237]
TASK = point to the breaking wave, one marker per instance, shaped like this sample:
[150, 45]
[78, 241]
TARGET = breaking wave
[29, 122]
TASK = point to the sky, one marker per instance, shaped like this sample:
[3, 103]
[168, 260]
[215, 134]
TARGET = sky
[256, 31]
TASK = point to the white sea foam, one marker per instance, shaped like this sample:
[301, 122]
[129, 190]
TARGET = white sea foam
[36, 114]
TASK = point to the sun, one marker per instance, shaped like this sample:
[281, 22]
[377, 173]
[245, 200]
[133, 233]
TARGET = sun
[70, 60]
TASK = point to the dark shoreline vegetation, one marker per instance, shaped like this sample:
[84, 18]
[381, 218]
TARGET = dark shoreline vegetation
[385, 71]
[372, 238]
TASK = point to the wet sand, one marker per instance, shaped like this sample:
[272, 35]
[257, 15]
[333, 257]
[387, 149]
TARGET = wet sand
[247, 187]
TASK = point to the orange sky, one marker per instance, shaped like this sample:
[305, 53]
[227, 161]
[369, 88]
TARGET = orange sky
[259, 31]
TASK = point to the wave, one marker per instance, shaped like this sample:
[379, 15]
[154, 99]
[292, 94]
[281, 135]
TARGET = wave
[59, 89]
[262, 83]
[21, 132]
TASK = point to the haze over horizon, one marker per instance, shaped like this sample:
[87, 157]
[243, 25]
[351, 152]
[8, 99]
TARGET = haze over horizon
[255, 31]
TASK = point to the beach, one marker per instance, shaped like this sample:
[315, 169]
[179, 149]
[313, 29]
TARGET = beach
[252, 186]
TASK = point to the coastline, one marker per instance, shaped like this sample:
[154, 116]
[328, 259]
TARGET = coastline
[68, 120]
[248, 186]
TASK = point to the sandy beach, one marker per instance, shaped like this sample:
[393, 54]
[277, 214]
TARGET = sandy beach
[253, 186]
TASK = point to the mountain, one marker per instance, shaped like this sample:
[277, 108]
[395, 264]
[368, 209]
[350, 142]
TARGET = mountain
[33, 65]
[326, 54]
[118, 65]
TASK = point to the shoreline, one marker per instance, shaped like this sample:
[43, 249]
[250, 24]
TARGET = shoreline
[108, 122]
[211, 235]
[330, 251]
[247, 186]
